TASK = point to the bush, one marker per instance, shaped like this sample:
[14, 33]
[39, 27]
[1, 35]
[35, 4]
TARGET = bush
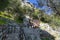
[2, 21]
[3, 4]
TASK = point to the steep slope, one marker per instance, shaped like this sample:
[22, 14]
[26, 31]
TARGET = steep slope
[24, 31]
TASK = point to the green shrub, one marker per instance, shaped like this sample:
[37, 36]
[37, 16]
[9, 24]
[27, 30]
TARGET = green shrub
[2, 22]
[3, 4]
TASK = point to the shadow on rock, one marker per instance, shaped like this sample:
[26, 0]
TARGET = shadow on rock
[46, 36]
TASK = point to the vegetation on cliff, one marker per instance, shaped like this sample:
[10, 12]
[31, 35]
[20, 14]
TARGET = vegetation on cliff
[17, 9]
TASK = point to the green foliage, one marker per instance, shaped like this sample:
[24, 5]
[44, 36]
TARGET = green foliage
[2, 21]
[55, 23]
[14, 11]
[3, 4]
[19, 19]
[46, 18]
[6, 15]
[47, 38]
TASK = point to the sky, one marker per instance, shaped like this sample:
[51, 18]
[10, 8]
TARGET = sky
[33, 2]
[45, 8]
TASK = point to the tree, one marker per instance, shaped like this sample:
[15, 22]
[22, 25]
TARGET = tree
[3, 4]
[54, 4]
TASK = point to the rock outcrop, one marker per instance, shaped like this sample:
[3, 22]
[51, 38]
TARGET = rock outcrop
[47, 27]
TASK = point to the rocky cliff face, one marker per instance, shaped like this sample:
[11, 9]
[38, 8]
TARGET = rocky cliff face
[26, 3]
[47, 27]
[14, 31]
